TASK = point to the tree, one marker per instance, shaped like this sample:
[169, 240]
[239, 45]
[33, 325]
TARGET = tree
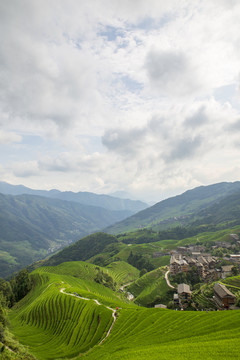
[21, 284]
[6, 290]
[143, 272]
[235, 270]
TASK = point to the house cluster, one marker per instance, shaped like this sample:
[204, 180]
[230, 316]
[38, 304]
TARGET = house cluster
[186, 258]
[223, 297]
[203, 263]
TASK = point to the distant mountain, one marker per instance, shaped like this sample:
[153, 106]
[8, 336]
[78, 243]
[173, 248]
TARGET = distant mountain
[171, 211]
[225, 210]
[34, 226]
[87, 198]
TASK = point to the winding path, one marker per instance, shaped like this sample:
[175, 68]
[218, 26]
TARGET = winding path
[167, 280]
[114, 312]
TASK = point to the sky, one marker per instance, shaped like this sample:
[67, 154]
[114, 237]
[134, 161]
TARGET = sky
[120, 95]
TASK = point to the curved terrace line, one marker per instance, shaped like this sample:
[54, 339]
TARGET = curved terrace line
[114, 312]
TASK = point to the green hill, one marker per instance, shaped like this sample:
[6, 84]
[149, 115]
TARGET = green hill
[34, 226]
[151, 289]
[226, 210]
[154, 334]
[83, 249]
[55, 323]
[176, 210]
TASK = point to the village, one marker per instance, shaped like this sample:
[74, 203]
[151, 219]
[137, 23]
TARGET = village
[209, 268]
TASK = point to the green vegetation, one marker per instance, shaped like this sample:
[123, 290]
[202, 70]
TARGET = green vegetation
[180, 209]
[32, 226]
[55, 323]
[53, 320]
[151, 289]
[164, 334]
[122, 272]
[83, 249]
[66, 307]
[140, 262]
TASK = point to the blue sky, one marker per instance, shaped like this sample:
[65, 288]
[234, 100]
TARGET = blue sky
[109, 96]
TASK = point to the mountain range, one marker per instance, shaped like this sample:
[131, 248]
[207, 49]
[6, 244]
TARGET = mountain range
[36, 223]
[33, 226]
[86, 198]
[178, 210]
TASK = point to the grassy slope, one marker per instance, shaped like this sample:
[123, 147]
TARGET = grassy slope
[122, 272]
[56, 325]
[164, 334]
[151, 287]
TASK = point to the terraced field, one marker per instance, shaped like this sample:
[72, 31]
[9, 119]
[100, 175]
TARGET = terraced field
[156, 334]
[57, 324]
[150, 288]
[233, 282]
[123, 272]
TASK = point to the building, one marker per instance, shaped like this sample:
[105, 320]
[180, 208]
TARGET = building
[160, 306]
[234, 237]
[182, 250]
[175, 299]
[226, 271]
[223, 297]
[174, 265]
[235, 258]
[212, 275]
[184, 292]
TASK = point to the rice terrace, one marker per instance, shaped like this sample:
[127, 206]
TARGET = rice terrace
[120, 180]
[69, 316]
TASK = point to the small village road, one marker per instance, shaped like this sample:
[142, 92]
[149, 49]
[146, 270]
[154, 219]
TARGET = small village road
[167, 280]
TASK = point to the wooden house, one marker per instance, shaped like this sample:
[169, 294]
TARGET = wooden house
[223, 297]
[184, 292]
[226, 271]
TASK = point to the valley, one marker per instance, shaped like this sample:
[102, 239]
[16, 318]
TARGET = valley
[147, 293]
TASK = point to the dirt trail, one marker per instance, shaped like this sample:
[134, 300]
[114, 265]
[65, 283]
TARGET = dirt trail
[167, 280]
[114, 312]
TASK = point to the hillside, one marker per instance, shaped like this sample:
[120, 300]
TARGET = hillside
[175, 210]
[87, 198]
[69, 315]
[224, 210]
[151, 289]
[83, 249]
[34, 226]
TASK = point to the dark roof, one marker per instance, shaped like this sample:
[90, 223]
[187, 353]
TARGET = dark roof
[222, 291]
[183, 288]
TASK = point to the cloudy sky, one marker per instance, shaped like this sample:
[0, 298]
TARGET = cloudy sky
[120, 95]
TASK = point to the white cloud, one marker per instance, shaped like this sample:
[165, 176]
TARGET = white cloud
[131, 95]
[9, 137]
[171, 73]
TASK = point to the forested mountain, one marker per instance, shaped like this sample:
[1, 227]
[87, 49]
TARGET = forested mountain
[33, 226]
[87, 198]
[83, 249]
[178, 209]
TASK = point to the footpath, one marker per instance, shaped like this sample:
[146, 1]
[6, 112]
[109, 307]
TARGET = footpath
[167, 280]
[114, 312]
